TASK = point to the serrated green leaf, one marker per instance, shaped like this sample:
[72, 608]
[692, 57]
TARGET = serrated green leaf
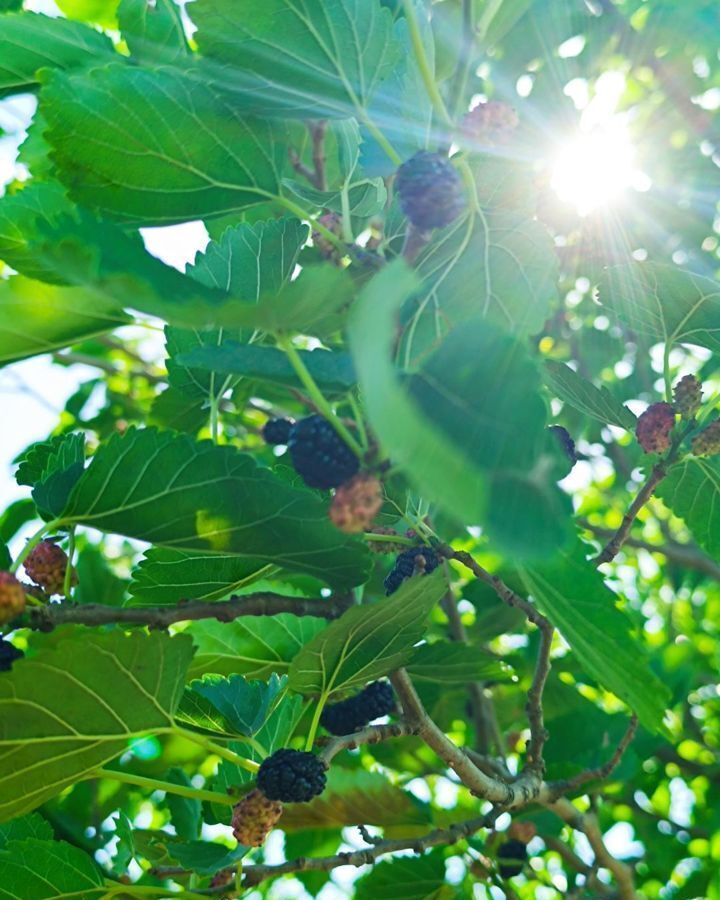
[664, 302]
[63, 468]
[598, 403]
[32, 826]
[100, 12]
[39, 318]
[253, 646]
[32, 41]
[153, 32]
[446, 663]
[364, 198]
[573, 595]
[356, 797]
[156, 166]
[332, 371]
[164, 576]
[299, 59]
[185, 812]
[692, 491]
[48, 870]
[409, 878]
[190, 383]
[205, 857]
[232, 706]
[172, 491]
[366, 641]
[56, 727]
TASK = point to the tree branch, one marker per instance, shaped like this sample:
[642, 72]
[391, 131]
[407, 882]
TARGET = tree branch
[612, 548]
[45, 618]
[557, 788]
[373, 734]
[253, 875]
[587, 823]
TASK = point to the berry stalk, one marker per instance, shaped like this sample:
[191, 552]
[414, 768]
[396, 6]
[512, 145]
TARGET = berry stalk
[153, 784]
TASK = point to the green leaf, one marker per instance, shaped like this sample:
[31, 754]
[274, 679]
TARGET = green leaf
[185, 813]
[56, 727]
[154, 32]
[62, 469]
[231, 706]
[598, 403]
[664, 302]
[332, 371]
[573, 595]
[409, 878]
[206, 857]
[14, 517]
[30, 41]
[253, 646]
[100, 12]
[366, 641]
[692, 491]
[447, 663]
[497, 17]
[365, 198]
[39, 318]
[172, 491]
[448, 435]
[299, 59]
[201, 384]
[164, 576]
[47, 870]
[97, 583]
[32, 826]
[500, 267]
[356, 797]
[156, 166]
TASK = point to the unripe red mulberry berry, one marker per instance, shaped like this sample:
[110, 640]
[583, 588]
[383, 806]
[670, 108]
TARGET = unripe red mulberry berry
[12, 597]
[254, 817]
[707, 442]
[654, 426]
[522, 831]
[687, 395]
[356, 503]
[333, 222]
[46, 565]
[385, 546]
[490, 123]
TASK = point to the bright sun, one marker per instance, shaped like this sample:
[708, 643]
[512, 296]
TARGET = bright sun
[594, 169]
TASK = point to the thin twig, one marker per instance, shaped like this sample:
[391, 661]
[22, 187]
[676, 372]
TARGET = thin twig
[373, 734]
[568, 785]
[253, 875]
[612, 548]
[46, 618]
[317, 133]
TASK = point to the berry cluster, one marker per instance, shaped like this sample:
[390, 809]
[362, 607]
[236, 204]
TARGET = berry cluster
[319, 454]
[356, 503]
[687, 396]
[512, 856]
[254, 817]
[348, 716]
[429, 190]
[291, 776]
[12, 597]
[46, 565]
[707, 442]
[654, 426]
[9, 654]
[421, 560]
[277, 431]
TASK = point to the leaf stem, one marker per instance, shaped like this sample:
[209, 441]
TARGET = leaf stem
[67, 583]
[153, 784]
[667, 376]
[384, 143]
[33, 542]
[322, 700]
[316, 395]
[389, 539]
[359, 420]
[423, 63]
[318, 226]
[201, 740]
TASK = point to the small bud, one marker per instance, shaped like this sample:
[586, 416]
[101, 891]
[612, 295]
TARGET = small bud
[654, 426]
[687, 395]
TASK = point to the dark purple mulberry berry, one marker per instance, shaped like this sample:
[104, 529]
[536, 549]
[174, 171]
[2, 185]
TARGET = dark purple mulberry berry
[291, 776]
[277, 431]
[348, 716]
[565, 441]
[430, 190]
[512, 857]
[654, 426]
[8, 655]
[422, 559]
[319, 454]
